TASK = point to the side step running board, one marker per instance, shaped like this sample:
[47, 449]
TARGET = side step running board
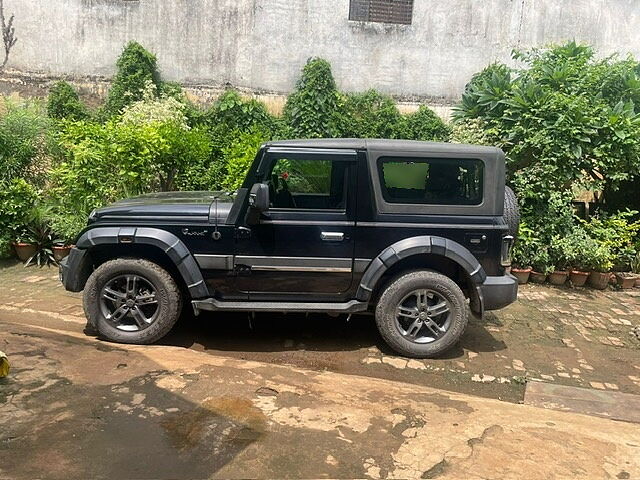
[211, 304]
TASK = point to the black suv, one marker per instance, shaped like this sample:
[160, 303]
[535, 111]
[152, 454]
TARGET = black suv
[407, 230]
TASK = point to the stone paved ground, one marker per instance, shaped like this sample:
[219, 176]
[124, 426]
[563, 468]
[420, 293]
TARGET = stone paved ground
[575, 337]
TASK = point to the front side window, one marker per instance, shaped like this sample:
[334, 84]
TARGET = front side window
[308, 184]
[431, 181]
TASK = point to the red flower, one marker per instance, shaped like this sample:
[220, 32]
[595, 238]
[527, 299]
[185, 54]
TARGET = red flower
[285, 175]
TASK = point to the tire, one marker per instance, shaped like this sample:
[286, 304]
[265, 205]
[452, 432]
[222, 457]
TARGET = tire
[166, 303]
[402, 288]
[511, 212]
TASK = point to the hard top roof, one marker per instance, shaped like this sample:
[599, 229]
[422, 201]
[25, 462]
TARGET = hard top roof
[386, 145]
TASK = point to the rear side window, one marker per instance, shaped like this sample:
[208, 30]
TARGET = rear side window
[431, 181]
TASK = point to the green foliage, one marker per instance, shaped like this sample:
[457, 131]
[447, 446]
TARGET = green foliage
[425, 125]
[567, 119]
[106, 162]
[617, 234]
[314, 109]
[525, 248]
[153, 109]
[41, 235]
[24, 138]
[64, 102]
[232, 112]
[17, 199]
[136, 69]
[372, 115]
[237, 158]
[473, 131]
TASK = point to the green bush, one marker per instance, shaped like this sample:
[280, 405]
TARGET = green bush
[106, 162]
[238, 156]
[371, 115]
[617, 233]
[136, 69]
[233, 113]
[24, 138]
[17, 198]
[314, 109]
[425, 125]
[473, 131]
[566, 119]
[64, 102]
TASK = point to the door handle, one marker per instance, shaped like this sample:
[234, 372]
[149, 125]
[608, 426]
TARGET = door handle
[332, 236]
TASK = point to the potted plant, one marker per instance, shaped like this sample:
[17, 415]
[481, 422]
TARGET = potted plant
[560, 273]
[634, 274]
[541, 263]
[67, 227]
[42, 235]
[24, 246]
[577, 247]
[601, 263]
[523, 251]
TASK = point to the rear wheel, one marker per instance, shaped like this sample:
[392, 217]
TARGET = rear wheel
[132, 301]
[421, 314]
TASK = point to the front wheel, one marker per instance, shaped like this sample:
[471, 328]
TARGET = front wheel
[132, 301]
[421, 314]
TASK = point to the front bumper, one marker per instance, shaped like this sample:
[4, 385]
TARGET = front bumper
[498, 292]
[74, 270]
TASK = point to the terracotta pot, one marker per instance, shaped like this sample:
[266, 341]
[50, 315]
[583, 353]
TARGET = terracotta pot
[626, 280]
[25, 251]
[578, 278]
[599, 280]
[61, 251]
[638, 282]
[537, 277]
[558, 277]
[522, 274]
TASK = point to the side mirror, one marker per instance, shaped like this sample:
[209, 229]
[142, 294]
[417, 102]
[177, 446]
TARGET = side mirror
[259, 197]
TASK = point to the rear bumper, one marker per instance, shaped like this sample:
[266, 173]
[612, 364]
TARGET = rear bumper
[498, 292]
[74, 270]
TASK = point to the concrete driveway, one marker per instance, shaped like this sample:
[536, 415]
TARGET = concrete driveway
[295, 397]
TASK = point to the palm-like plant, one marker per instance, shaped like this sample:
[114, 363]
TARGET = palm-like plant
[42, 235]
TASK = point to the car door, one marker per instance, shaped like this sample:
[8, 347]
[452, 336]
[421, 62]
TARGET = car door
[302, 248]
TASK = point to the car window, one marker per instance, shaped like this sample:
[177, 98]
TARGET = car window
[432, 181]
[308, 184]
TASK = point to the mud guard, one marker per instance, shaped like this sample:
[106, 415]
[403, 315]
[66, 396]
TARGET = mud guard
[171, 245]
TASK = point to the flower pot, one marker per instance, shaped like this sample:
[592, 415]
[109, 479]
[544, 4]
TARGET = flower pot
[558, 277]
[578, 278]
[626, 280]
[25, 251]
[638, 282]
[537, 277]
[599, 280]
[61, 251]
[522, 274]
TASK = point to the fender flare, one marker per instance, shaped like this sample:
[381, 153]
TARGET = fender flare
[171, 245]
[430, 245]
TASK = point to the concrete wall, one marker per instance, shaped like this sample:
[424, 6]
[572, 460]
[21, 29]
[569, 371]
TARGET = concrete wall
[261, 45]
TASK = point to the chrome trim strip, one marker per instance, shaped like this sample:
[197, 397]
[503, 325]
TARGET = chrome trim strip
[273, 268]
[431, 225]
[215, 262]
[318, 223]
[295, 264]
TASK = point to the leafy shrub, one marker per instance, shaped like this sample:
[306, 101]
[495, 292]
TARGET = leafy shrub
[525, 247]
[136, 69]
[617, 233]
[17, 198]
[153, 109]
[238, 156]
[425, 125]
[314, 109]
[371, 115]
[473, 131]
[561, 120]
[64, 102]
[107, 162]
[24, 138]
[234, 113]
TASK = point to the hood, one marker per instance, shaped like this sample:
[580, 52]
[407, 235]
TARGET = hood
[189, 207]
